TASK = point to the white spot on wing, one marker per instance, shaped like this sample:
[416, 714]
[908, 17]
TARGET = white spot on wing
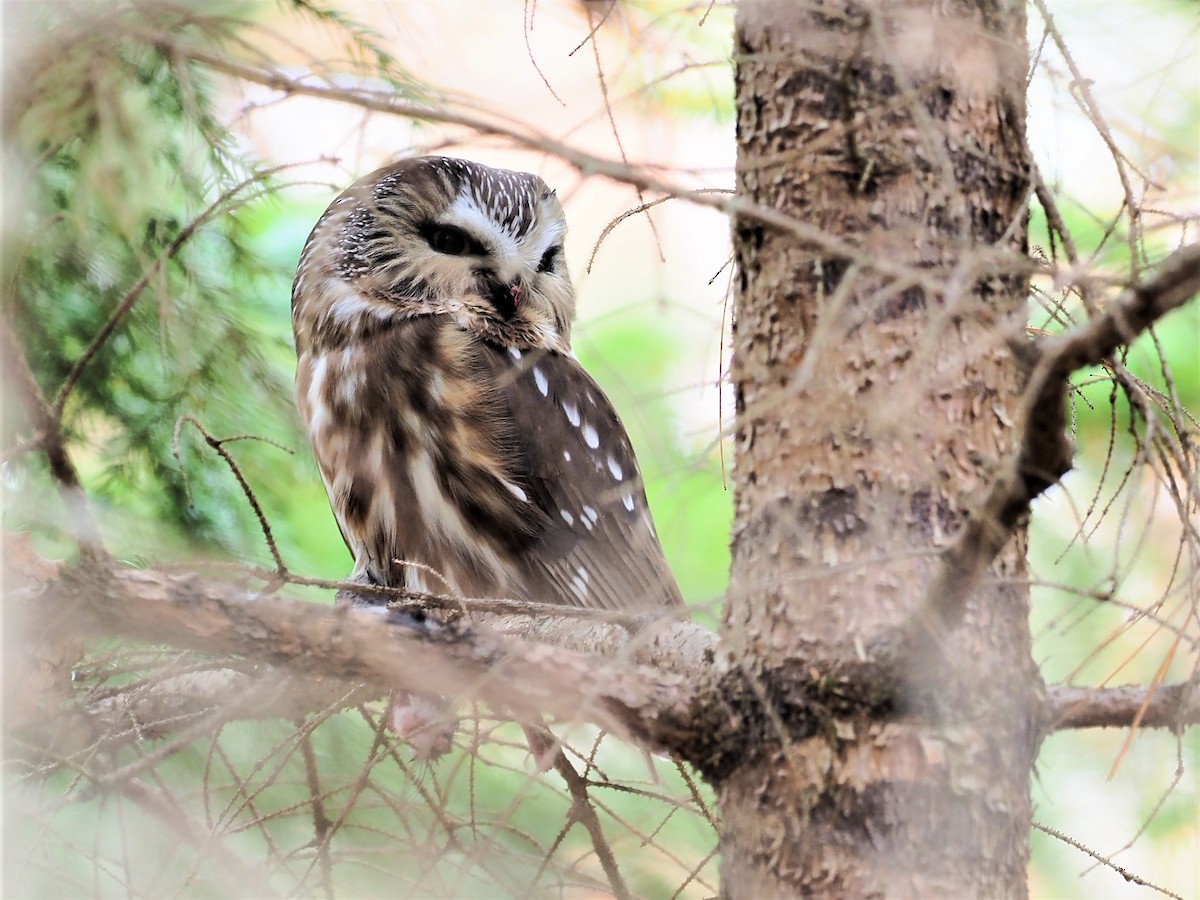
[590, 437]
[514, 352]
[542, 384]
[352, 378]
[572, 413]
[316, 418]
[615, 468]
[567, 455]
[627, 499]
[437, 386]
[517, 491]
[567, 517]
[579, 584]
[589, 518]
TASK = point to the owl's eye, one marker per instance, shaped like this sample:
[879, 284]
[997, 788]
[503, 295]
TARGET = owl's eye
[451, 241]
[548, 258]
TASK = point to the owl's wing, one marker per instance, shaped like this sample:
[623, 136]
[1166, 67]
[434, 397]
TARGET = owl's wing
[596, 546]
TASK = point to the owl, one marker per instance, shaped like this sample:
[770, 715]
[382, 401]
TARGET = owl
[464, 449]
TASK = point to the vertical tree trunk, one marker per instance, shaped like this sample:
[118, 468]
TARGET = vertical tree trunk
[871, 407]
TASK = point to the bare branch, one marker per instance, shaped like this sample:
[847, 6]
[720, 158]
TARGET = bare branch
[1173, 706]
[164, 705]
[523, 678]
[1083, 848]
[1043, 454]
[583, 813]
[524, 135]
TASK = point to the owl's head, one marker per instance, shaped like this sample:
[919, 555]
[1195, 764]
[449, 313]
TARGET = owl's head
[439, 236]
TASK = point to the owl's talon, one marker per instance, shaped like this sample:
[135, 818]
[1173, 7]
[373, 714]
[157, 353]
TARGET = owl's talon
[355, 600]
[424, 722]
[412, 618]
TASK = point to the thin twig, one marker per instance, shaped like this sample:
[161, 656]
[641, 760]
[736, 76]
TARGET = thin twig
[321, 822]
[1082, 848]
[218, 444]
[131, 296]
[583, 813]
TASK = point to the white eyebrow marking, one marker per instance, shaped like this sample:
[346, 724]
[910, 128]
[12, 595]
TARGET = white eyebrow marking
[466, 213]
[572, 413]
[615, 468]
[542, 384]
[590, 437]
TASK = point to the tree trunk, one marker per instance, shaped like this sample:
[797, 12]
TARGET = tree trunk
[875, 392]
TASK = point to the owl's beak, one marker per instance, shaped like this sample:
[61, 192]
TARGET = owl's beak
[505, 297]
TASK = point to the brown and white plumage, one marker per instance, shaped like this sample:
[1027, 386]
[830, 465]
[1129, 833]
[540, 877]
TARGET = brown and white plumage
[453, 428]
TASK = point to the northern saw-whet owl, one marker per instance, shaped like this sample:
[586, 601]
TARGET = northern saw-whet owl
[464, 449]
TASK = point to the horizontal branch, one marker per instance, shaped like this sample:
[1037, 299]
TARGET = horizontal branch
[166, 704]
[1173, 706]
[302, 657]
[524, 679]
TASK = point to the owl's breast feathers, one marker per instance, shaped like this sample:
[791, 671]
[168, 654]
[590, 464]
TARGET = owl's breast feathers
[497, 472]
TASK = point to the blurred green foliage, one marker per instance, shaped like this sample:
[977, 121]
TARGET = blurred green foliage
[122, 153]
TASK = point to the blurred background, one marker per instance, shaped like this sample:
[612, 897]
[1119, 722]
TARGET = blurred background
[115, 143]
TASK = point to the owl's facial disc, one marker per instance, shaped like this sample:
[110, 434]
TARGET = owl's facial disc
[512, 249]
[441, 236]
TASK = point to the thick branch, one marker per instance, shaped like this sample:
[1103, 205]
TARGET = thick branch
[522, 678]
[1043, 455]
[1173, 706]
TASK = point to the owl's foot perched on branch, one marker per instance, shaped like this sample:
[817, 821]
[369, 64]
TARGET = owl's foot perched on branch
[426, 722]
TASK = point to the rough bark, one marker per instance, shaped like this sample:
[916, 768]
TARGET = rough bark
[872, 409]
